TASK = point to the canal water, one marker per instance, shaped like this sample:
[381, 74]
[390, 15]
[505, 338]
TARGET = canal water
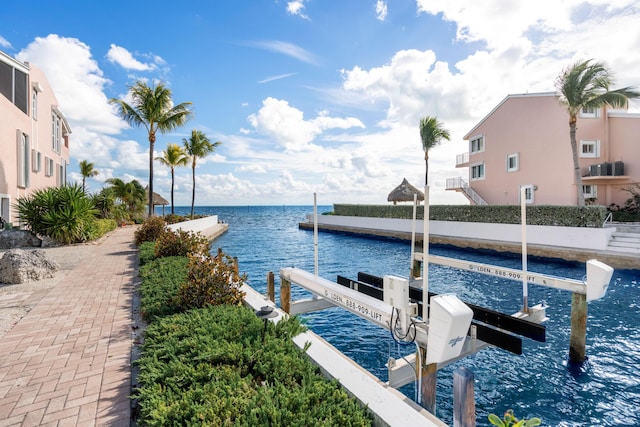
[605, 391]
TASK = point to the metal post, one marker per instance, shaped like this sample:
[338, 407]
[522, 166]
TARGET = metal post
[412, 269]
[578, 343]
[464, 405]
[315, 234]
[271, 288]
[523, 219]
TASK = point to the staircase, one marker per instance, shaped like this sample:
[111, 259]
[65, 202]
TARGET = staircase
[626, 238]
[460, 185]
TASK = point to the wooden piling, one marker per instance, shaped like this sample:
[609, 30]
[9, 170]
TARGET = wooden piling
[271, 288]
[578, 342]
[285, 295]
[429, 382]
[464, 405]
[417, 269]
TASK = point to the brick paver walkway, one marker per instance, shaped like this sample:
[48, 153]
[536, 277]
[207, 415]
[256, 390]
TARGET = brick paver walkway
[68, 361]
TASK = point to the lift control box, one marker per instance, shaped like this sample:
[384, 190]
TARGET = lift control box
[449, 321]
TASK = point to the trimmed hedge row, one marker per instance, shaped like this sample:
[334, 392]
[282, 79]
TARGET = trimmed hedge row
[568, 216]
[212, 367]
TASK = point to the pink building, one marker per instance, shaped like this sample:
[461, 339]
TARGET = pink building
[524, 142]
[34, 135]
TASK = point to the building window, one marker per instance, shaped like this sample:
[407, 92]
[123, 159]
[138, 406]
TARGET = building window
[48, 166]
[36, 161]
[24, 153]
[512, 162]
[589, 148]
[477, 171]
[61, 177]
[34, 104]
[13, 85]
[590, 113]
[590, 191]
[528, 193]
[477, 144]
[56, 132]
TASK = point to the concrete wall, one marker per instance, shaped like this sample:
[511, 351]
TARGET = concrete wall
[570, 237]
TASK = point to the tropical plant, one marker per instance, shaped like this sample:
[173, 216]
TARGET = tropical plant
[509, 420]
[153, 109]
[180, 243]
[432, 132]
[131, 194]
[173, 156]
[87, 171]
[585, 86]
[64, 213]
[197, 146]
[150, 230]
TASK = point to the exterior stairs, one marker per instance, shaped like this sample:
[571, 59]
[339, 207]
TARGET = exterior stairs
[626, 238]
[460, 185]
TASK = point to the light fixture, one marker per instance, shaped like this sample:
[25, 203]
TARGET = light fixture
[266, 312]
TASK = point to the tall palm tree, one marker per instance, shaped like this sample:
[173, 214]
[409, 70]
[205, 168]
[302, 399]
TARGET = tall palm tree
[173, 156]
[197, 146]
[432, 132]
[87, 171]
[153, 108]
[585, 85]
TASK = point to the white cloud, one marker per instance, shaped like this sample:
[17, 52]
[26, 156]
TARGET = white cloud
[4, 42]
[286, 48]
[296, 7]
[381, 10]
[286, 124]
[278, 77]
[124, 58]
[77, 82]
[253, 168]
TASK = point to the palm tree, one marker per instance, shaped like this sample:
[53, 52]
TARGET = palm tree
[197, 146]
[432, 132]
[153, 108]
[585, 85]
[131, 193]
[87, 171]
[173, 156]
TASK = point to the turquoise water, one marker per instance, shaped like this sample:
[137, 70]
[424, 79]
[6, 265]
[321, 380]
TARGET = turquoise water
[605, 391]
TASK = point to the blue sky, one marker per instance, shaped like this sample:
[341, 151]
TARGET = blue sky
[309, 95]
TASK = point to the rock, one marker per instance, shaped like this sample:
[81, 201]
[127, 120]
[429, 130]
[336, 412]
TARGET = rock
[10, 239]
[20, 266]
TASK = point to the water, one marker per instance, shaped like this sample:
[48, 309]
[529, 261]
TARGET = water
[604, 392]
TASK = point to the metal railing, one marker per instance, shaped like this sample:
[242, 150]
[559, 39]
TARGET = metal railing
[462, 185]
[462, 159]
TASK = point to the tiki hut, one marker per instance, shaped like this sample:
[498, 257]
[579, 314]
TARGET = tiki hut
[404, 193]
[158, 200]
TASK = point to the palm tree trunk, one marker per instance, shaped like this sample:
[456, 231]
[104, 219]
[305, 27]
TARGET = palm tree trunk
[173, 174]
[84, 190]
[576, 162]
[193, 189]
[151, 144]
[426, 168]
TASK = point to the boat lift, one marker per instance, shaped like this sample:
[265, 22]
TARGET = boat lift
[449, 329]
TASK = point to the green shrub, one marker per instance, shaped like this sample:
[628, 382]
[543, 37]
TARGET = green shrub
[509, 420]
[146, 252]
[211, 281]
[173, 218]
[64, 213]
[213, 367]
[180, 243]
[160, 283]
[150, 230]
[105, 225]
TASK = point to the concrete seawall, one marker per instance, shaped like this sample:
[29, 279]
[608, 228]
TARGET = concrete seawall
[207, 226]
[565, 243]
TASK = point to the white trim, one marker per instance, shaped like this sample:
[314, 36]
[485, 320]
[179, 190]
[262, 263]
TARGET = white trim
[589, 142]
[479, 177]
[529, 193]
[593, 194]
[479, 137]
[591, 114]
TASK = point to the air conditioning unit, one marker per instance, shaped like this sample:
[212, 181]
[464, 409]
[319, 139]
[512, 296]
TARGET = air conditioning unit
[618, 168]
[606, 169]
[593, 170]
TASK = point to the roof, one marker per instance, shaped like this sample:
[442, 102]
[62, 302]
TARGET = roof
[158, 200]
[404, 193]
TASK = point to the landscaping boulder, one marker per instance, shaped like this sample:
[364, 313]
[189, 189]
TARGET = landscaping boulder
[10, 239]
[20, 266]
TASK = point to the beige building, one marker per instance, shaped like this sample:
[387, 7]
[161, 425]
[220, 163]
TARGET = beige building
[34, 135]
[524, 142]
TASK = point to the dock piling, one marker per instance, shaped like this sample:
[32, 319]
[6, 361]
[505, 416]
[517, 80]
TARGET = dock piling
[285, 295]
[464, 405]
[271, 287]
[578, 341]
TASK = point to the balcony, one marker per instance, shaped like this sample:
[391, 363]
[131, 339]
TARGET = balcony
[462, 160]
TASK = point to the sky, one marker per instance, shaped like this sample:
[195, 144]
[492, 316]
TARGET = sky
[306, 96]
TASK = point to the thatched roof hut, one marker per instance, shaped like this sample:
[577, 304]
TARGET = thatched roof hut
[404, 193]
[158, 200]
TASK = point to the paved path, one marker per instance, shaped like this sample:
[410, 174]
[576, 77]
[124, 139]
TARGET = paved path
[67, 362]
